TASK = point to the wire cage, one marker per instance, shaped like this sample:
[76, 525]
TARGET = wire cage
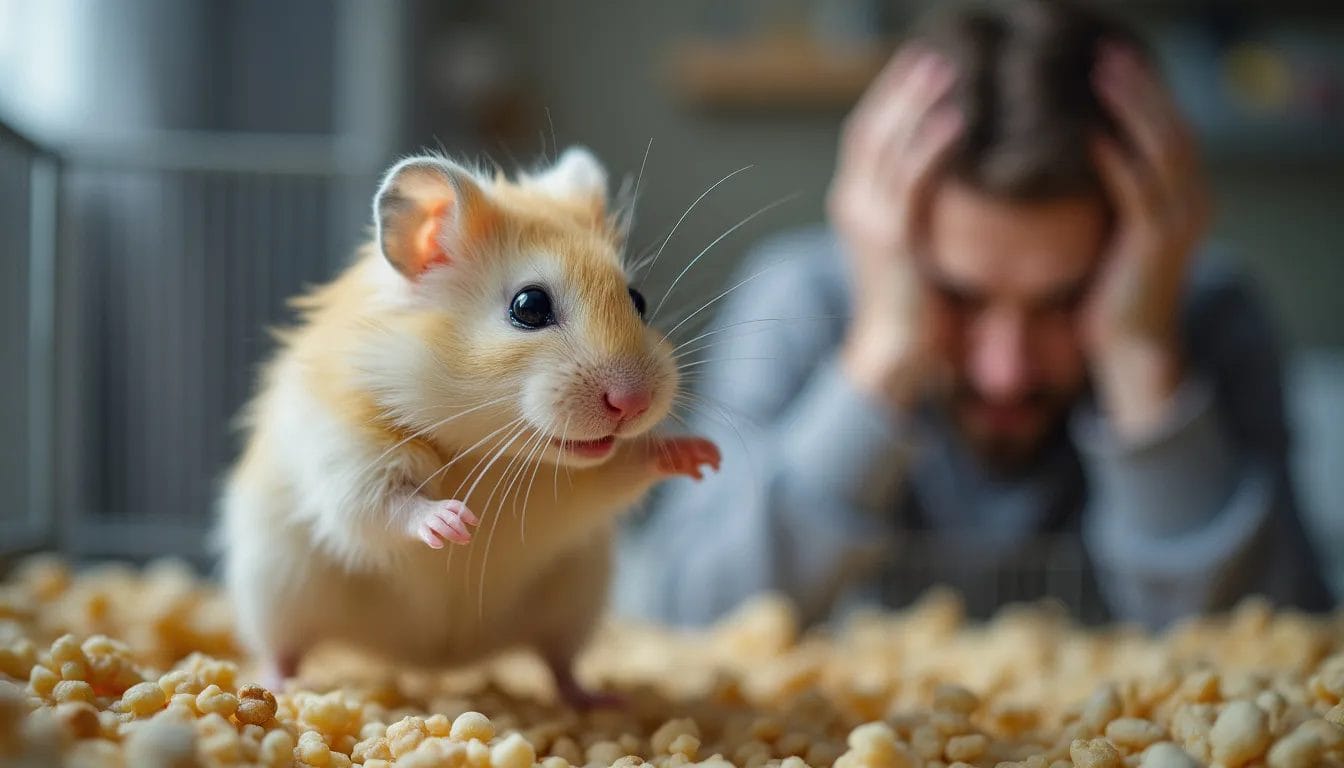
[168, 265]
[28, 225]
[143, 259]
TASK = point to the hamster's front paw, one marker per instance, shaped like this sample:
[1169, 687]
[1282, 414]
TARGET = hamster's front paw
[685, 455]
[439, 522]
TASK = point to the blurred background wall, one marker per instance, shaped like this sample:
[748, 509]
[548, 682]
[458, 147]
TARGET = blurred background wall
[215, 156]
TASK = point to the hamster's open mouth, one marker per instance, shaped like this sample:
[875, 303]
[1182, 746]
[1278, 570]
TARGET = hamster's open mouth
[593, 449]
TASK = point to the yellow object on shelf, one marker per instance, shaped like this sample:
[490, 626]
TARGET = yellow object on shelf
[1258, 78]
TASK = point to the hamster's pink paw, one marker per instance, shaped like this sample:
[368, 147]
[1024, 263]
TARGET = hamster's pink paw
[445, 521]
[685, 455]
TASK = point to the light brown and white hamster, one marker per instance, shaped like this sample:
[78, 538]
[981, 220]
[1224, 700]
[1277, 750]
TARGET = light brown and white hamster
[483, 376]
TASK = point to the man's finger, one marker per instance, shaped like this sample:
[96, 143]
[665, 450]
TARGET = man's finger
[1124, 182]
[891, 75]
[1145, 114]
[1174, 151]
[1153, 94]
[938, 135]
[860, 130]
[905, 116]
[940, 131]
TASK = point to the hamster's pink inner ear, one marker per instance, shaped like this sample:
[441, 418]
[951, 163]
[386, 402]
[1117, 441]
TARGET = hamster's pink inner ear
[426, 248]
[428, 213]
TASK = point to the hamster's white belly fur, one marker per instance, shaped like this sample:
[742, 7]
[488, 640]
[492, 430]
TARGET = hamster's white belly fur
[433, 608]
[306, 563]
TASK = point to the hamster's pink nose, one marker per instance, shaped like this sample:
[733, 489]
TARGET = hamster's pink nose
[626, 404]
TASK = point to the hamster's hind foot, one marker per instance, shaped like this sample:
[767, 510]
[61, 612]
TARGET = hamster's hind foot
[579, 698]
[278, 671]
[685, 455]
[439, 522]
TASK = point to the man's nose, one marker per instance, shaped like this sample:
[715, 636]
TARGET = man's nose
[999, 365]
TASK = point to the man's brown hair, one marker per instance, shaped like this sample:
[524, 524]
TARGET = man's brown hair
[1025, 92]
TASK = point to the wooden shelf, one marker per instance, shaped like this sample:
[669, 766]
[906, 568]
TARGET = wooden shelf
[783, 73]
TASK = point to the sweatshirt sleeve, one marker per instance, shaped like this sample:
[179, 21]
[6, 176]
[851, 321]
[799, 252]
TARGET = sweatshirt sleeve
[1201, 511]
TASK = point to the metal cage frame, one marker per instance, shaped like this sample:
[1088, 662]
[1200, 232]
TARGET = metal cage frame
[66, 500]
[35, 523]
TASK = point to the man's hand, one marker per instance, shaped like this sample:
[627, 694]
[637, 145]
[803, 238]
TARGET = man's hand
[890, 147]
[1161, 210]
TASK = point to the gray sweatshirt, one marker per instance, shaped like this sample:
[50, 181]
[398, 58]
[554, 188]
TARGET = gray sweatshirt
[835, 500]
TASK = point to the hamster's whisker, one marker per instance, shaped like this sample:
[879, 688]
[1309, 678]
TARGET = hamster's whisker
[702, 408]
[677, 418]
[713, 243]
[506, 472]
[397, 513]
[514, 485]
[707, 345]
[695, 363]
[508, 468]
[718, 404]
[723, 328]
[563, 434]
[494, 520]
[637, 268]
[467, 477]
[455, 459]
[426, 430]
[702, 196]
[726, 410]
[697, 409]
[535, 440]
[717, 298]
[475, 478]
[450, 463]
[683, 422]
[715, 332]
[527, 497]
[485, 455]
[499, 451]
[528, 450]
[713, 410]
[627, 218]
[555, 146]
[405, 417]
[444, 468]
[662, 449]
[726, 415]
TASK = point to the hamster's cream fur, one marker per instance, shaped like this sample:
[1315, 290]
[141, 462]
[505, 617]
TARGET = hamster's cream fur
[408, 411]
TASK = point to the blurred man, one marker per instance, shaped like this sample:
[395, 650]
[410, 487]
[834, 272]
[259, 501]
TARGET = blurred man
[1032, 352]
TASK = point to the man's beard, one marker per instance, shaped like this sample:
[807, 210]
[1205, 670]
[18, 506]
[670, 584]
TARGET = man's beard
[1011, 453]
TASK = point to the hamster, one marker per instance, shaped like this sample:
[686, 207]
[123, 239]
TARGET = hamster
[436, 456]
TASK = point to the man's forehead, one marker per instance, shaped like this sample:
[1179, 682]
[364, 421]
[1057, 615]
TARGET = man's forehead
[1024, 247]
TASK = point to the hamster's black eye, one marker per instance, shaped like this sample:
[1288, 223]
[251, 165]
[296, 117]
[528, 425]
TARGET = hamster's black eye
[638, 298]
[531, 308]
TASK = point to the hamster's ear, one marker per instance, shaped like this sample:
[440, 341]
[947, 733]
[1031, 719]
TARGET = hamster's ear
[576, 176]
[429, 211]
